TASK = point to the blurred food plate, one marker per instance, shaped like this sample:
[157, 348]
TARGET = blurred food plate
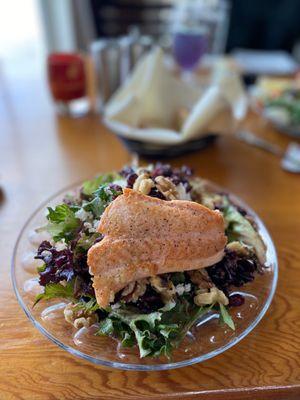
[278, 101]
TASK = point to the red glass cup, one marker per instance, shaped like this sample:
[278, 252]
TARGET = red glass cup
[68, 83]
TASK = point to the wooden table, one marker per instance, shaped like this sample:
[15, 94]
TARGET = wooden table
[40, 154]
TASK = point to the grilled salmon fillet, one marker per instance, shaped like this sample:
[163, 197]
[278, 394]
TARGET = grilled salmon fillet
[145, 236]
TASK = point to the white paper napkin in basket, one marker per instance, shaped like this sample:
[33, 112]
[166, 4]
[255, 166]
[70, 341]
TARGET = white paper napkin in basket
[144, 107]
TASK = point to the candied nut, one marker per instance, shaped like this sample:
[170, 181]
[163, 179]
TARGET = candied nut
[111, 297]
[140, 289]
[202, 194]
[238, 248]
[78, 317]
[146, 186]
[69, 313]
[201, 278]
[165, 288]
[128, 289]
[85, 322]
[215, 295]
[134, 290]
[143, 184]
[166, 187]
[80, 323]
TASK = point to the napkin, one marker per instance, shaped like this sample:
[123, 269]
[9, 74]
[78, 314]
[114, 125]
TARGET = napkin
[146, 106]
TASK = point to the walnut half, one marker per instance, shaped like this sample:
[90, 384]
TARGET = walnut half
[134, 290]
[166, 187]
[143, 184]
[215, 295]
[79, 318]
[201, 278]
[165, 288]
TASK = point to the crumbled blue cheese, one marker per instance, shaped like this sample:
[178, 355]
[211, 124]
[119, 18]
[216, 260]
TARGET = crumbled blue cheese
[115, 306]
[182, 194]
[61, 245]
[182, 288]
[90, 227]
[83, 215]
[96, 223]
[46, 253]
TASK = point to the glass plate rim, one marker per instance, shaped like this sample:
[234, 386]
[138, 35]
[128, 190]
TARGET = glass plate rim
[149, 367]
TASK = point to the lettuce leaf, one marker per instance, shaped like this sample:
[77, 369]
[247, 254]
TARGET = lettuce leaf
[63, 223]
[88, 306]
[84, 242]
[240, 229]
[101, 199]
[89, 187]
[157, 333]
[225, 317]
[116, 328]
[56, 290]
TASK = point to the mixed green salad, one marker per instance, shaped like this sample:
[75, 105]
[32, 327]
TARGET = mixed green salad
[153, 313]
[285, 108]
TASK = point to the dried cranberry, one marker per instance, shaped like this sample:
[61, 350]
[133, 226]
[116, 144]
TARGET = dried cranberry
[154, 192]
[64, 265]
[83, 287]
[126, 171]
[187, 171]
[150, 301]
[236, 300]
[233, 270]
[58, 264]
[162, 170]
[187, 186]
[115, 187]
[176, 179]
[131, 179]
[101, 314]
[98, 239]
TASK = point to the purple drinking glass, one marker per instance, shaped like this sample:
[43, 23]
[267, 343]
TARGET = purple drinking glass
[188, 48]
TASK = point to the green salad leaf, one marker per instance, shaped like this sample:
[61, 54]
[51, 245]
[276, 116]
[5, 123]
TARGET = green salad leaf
[95, 206]
[240, 229]
[291, 105]
[41, 268]
[56, 290]
[85, 242]
[63, 223]
[87, 306]
[157, 333]
[89, 187]
[115, 327]
[143, 327]
[101, 199]
[178, 277]
[225, 317]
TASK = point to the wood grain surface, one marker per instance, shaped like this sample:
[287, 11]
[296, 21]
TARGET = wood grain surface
[41, 154]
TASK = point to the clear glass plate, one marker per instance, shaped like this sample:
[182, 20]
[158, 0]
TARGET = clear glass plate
[205, 340]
